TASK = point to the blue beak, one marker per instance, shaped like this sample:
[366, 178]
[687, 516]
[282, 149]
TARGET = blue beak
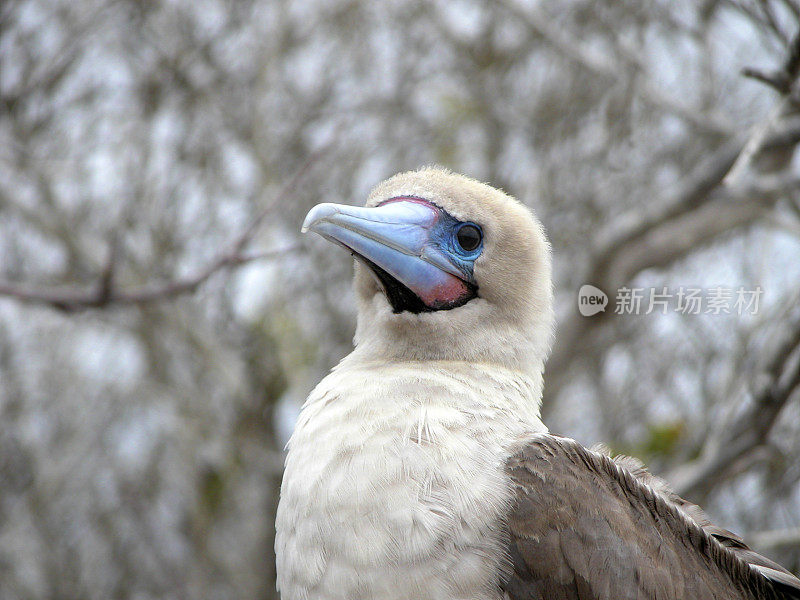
[404, 241]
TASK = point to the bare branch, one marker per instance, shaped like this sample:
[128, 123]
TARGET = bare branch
[601, 66]
[697, 211]
[782, 80]
[107, 276]
[755, 143]
[773, 387]
[105, 294]
[75, 300]
[774, 79]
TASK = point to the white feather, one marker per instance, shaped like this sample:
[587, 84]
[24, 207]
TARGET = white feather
[394, 489]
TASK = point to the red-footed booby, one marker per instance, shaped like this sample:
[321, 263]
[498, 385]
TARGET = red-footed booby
[420, 468]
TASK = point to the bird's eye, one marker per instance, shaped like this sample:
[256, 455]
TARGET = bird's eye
[469, 237]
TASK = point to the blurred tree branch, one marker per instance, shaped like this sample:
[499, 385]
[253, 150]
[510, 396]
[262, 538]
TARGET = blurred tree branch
[774, 384]
[784, 82]
[699, 210]
[605, 67]
[106, 293]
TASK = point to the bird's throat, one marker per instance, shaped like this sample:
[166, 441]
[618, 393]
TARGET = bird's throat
[402, 299]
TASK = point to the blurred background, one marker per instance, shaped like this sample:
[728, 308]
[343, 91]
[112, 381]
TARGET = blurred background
[161, 318]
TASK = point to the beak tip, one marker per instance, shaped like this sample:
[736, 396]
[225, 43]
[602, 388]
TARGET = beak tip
[315, 215]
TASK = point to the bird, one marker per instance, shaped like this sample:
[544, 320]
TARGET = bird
[420, 466]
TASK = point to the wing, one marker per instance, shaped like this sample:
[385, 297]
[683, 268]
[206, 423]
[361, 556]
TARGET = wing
[585, 527]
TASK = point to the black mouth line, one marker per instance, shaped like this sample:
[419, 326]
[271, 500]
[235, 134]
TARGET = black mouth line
[403, 299]
[400, 297]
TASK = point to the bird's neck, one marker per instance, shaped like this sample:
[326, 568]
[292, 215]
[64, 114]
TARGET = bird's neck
[435, 338]
[471, 385]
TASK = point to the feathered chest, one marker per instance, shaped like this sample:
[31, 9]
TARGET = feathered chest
[394, 488]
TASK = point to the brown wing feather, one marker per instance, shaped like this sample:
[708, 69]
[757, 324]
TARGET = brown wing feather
[585, 527]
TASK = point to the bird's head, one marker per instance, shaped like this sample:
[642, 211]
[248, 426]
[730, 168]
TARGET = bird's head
[448, 269]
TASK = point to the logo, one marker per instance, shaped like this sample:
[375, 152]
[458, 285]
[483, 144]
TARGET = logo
[591, 300]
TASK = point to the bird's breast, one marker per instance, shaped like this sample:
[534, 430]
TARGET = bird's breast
[394, 488]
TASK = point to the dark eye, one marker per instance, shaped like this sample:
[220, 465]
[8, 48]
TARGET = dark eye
[469, 237]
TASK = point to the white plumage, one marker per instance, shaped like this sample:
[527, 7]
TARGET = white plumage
[395, 484]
